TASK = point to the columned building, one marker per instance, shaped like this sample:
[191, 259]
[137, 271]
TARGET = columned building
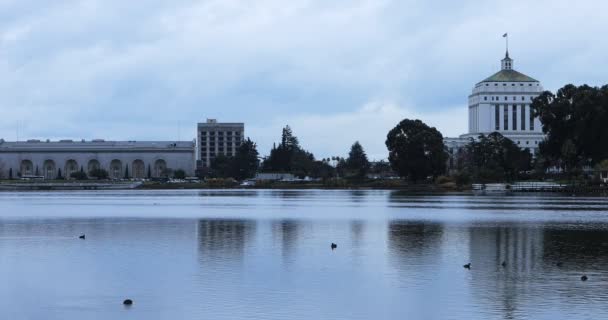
[501, 103]
[121, 159]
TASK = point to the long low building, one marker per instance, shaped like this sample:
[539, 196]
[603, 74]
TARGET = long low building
[132, 159]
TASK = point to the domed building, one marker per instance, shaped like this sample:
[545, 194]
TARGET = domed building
[501, 103]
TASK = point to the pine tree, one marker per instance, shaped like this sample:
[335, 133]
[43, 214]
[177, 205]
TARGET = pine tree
[357, 162]
[10, 174]
[127, 171]
[149, 172]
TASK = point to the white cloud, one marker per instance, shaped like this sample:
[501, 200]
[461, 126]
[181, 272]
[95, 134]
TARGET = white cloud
[329, 135]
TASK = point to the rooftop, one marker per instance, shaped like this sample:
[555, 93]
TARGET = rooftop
[509, 76]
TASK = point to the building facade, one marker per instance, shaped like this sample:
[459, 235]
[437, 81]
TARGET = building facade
[121, 159]
[501, 103]
[218, 138]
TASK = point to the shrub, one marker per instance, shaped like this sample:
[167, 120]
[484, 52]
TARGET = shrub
[78, 175]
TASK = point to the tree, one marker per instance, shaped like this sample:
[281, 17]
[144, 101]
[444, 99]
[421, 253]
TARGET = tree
[59, 176]
[99, 173]
[126, 172]
[10, 174]
[574, 121]
[179, 174]
[149, 172]
[288, 156]
[416, 150]
[357, 163]
[245, 162]
[493, 158]
[78, 175]
[221, 166]
[37, 172]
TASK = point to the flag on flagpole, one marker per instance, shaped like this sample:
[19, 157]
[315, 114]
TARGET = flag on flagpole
[504, 35]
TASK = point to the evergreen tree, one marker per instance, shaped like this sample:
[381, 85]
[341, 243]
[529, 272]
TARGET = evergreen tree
[245, 163]
[37, 172]
[149, 172]
[126, 171]
[10, 174]
[59, 177]
[357, 163]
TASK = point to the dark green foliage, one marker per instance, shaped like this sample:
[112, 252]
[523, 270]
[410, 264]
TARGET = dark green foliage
[78, 175]
[289, 157]
[100, 174]
[37, 172]
[221, 167]
[494, 158]
[416, 150]
[179, 174]
[149, 172]
[81, 169]
[126, 172]
[59, 176]
[245, 163]
[357, 164]
[10, 174]
[574, 120]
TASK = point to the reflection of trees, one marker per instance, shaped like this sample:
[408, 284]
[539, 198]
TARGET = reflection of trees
[224, 238]
[414, 243]
[576, 249]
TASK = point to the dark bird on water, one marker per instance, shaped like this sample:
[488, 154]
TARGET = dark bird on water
[467, 266]
[584, 278]
[127, 302]
[503, 264]
[333, 246]
[82, 237]
[559, 264]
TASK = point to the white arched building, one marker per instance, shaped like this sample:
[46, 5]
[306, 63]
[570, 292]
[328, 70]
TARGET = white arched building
[121, 159]
[501, 103]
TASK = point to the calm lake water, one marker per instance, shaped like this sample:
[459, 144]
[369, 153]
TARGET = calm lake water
[266, 255]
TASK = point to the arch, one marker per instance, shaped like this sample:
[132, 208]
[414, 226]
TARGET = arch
[115, 169]
[93, 165]
[139, 169]
[26, 168]
[71, 166]
[159, 168]
[49, 170]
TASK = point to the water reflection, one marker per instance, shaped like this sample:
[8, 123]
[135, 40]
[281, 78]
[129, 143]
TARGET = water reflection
[223, 240]
[285, 233]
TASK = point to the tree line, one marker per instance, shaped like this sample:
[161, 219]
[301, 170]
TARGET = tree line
[574, 120]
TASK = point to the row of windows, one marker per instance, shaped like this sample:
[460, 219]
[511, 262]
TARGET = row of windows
[220, 133]
[512, 84]
[505, 124]
[485, 98]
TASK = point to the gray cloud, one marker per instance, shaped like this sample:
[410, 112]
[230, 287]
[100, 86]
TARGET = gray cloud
[134, 70]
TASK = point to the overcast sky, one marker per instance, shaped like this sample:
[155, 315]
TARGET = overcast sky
[335, 71]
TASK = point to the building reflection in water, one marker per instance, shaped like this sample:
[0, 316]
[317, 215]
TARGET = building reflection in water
[223, 240]
[285, 233]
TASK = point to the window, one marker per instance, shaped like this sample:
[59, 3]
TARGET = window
[485, 98]
[527, 142]
[513, 84]
[523, 99]
[492, 98]
[496, 117]
[523, 117]
[521, 84]
[514, 117]
[504, 84]
[531, 120]
[518, 142]
[496, 84]
[506, 116]
[514, 98]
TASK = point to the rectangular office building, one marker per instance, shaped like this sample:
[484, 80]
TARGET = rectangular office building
[215, 138]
